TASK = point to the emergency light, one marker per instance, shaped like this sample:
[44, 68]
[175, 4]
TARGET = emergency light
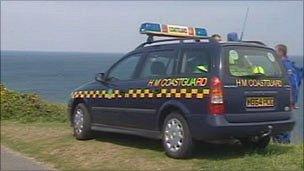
[232, 37]
[172, 30]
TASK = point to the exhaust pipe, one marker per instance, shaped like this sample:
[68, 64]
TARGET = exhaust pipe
[268, 132]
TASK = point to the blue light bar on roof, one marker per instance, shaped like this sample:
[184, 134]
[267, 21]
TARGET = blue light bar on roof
[233, 36]
[150, 27]
[172, 30]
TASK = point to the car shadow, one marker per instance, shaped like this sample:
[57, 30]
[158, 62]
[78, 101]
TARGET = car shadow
[203, 150]
[228, 150]
[129, 140]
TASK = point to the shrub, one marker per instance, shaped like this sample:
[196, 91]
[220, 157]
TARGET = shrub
[27, 107]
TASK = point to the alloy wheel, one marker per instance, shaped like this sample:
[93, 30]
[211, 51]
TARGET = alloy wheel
[174, 135]
[78, 121]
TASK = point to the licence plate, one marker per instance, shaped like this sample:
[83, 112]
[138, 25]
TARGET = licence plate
[260, 102]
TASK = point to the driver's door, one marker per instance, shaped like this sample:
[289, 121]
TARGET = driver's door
[106, 110]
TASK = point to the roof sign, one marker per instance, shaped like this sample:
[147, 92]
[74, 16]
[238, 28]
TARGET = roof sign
[172, 30]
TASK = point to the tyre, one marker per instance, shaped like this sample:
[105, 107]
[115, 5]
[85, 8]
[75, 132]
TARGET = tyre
[176, 136]
[82, 122]
[255, 143]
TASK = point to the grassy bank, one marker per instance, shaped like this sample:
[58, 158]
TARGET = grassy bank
[54, 143]
[39, 129]
[25, 108]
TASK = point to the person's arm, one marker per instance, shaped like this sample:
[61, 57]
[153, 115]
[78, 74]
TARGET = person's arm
[298, 72]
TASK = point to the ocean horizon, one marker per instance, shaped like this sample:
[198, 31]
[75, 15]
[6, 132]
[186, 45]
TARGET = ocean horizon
[54, 75]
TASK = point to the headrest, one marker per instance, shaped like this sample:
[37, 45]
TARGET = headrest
[158, 68]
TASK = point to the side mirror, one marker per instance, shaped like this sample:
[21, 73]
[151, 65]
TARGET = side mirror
[100, 77]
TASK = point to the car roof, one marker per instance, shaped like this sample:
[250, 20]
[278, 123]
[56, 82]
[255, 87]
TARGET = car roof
[252, 44]
[202, 43]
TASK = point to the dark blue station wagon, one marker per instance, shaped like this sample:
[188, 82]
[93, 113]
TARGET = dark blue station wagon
[185, 89]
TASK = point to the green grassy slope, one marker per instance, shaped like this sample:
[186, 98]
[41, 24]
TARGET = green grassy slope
[54, 143]
[29, 108]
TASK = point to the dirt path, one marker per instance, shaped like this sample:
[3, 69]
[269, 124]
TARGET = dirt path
[11, 160]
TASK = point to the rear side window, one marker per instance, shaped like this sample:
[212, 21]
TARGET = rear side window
[158, 64]
[195, 61]
[246, 61]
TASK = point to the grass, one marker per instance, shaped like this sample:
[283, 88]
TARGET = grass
[54, 143]
[40, 129]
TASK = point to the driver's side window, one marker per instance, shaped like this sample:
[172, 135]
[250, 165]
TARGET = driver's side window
[124, 70]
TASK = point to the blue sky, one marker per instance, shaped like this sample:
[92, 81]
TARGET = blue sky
[100, 26]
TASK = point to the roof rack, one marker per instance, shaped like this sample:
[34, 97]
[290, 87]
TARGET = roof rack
[150, 40]
[232, 36]
[255, 42]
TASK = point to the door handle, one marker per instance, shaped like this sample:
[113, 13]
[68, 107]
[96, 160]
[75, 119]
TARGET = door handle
[122, 92]
[156, 90]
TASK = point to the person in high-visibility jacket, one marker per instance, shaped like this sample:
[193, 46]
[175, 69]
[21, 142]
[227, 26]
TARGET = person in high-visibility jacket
[295, 75]
[258, 70]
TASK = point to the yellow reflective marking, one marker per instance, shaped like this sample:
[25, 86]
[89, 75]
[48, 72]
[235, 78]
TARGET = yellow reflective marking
[194, 91]
[206, 91]
[142, 93]
[177, 95]
[163, 90]
[150, 95]
[199, 96]
[173, 90]
[188, 95]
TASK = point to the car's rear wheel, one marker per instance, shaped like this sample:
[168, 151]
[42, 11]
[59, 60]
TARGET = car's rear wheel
[81, 122]
[177, 139]
[255, 142]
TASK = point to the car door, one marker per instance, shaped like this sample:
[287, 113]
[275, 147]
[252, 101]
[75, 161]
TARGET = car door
[140, 109]
[108, 107]
[196, 64]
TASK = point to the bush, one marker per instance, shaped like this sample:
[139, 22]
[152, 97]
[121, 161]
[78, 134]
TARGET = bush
[26, 107]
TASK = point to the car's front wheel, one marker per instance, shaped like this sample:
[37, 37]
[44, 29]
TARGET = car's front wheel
[177, 139]
[81, 122]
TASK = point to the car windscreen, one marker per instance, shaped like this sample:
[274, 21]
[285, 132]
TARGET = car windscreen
[252, 61]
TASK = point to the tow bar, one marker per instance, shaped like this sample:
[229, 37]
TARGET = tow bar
[264, 134]
[268, 132]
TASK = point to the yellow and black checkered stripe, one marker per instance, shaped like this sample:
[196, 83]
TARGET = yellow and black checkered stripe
[143, 93]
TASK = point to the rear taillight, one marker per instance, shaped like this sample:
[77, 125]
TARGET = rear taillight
[216, 106]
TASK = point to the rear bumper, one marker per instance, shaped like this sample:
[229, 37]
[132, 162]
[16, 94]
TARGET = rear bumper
[209, 127]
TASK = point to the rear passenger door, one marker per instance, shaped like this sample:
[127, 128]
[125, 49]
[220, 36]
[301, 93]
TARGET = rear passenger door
[195, 63]
[142, 104]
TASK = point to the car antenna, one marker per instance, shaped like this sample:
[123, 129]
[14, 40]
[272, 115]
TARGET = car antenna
[244, 24]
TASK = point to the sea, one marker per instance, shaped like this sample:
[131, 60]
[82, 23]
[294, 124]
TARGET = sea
[54, 75]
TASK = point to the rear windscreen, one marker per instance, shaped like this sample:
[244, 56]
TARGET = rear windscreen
[250, 61]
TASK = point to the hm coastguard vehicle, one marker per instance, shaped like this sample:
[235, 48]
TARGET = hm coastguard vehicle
[185, 88]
